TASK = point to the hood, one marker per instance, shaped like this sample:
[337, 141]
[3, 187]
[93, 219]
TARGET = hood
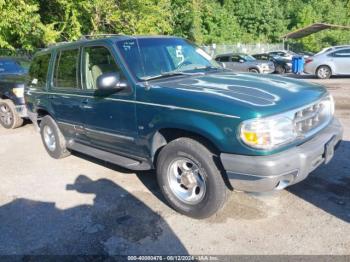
[14, 78]
[230, 93]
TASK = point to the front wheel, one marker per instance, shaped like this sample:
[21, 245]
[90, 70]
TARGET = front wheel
[324, 72]
[189, 178]
[280, 70]
[9, 118]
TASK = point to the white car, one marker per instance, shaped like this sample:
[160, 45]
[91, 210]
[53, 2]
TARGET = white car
[330, 61]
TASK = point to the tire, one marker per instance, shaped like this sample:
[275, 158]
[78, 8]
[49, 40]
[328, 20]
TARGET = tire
[9, 118]
[53, 139]
[324, 72]
[280, 70]
[176, 165]
[254, 70]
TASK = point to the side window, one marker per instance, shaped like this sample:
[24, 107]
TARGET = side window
[66, 69]
[224, 59]
[38, 70]
[235, 58]
[342, 53]
[97, 61]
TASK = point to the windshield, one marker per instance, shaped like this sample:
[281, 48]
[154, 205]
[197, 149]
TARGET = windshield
[13, 66]
[151, 57]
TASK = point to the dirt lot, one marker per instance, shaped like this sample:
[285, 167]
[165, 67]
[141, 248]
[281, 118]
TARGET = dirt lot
[79, 205]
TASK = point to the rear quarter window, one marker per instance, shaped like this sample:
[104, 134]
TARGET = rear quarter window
[38, 70]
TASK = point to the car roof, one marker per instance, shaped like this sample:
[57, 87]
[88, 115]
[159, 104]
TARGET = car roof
[97, 39]
[230, 54]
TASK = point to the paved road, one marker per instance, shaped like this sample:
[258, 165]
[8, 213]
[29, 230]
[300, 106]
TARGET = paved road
[79, 205]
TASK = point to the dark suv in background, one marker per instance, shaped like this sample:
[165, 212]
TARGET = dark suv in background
[281, 64]
[163, 103]
[13, 73]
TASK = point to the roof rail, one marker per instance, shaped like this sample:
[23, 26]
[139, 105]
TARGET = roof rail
[98, 36]
[58, 43]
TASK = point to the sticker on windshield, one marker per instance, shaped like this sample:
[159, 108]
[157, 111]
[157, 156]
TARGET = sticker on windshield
[127, 45]
[179, 54]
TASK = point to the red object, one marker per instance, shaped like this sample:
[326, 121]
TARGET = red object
[308, 60]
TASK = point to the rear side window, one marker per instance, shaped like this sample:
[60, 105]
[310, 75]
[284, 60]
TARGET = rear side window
[223, 59]
[342, 53]
[38, 70]
[66, 69]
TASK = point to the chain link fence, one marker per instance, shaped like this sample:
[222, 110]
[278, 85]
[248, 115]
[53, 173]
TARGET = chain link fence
[215, 50]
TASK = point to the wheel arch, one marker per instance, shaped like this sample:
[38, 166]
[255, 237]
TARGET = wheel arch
[254, 68]
[164, 136]
[329, 66]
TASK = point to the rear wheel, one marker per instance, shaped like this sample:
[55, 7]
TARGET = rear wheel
[324, 72]
[8, 115]
[53, 139]
[190, 179]
[254, 70]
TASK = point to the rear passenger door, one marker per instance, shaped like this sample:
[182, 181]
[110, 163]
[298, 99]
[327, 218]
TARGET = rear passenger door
[66, 95]
[110, 119]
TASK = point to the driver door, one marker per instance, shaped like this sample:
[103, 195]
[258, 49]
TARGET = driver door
[237, 64]
[110, 119]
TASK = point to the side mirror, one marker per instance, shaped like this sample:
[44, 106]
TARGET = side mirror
[110, 81]
[241, 60]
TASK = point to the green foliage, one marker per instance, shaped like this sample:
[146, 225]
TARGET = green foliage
[30, 24]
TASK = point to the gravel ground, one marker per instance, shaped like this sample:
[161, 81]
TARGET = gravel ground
[79, 205]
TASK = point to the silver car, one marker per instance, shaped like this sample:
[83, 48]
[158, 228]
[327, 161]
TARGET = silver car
[245, 63]
[330, 61]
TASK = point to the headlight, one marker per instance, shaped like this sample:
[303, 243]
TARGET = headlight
[268, 133]
[18, 91]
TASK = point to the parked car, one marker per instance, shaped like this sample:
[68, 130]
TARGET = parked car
[13, 72]
[162, 103]
[281, 65]
[244, 63]
[329, 62]
[286, 54]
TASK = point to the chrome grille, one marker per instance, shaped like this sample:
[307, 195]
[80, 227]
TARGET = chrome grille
[313, 117]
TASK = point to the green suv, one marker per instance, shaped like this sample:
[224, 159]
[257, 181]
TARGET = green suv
[162, 103]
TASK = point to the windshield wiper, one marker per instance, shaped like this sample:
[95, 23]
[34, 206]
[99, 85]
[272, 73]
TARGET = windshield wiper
[167, 74]
[208, 68]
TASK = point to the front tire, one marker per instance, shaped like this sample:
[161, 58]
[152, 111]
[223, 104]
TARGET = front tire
[189, 178]
[9, 118]
[324, 72]
[53, 139]
[280, 70]
[254, 70]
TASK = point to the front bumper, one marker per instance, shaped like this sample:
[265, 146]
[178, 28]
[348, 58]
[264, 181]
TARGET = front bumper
[267, 70]
[277, 171]
[22, 111]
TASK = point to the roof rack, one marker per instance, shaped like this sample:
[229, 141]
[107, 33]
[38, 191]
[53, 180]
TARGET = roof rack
[98, 36]
[58, 43]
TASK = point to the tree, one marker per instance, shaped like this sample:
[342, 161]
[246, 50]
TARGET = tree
[20, 25]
